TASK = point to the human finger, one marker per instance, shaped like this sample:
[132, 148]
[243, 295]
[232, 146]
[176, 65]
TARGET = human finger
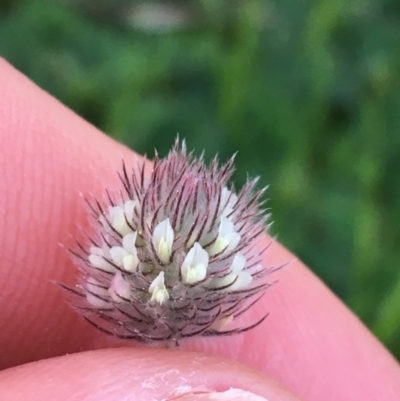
[310, 342]
[138, 374]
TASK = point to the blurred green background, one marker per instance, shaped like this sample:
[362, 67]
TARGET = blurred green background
[307, 91]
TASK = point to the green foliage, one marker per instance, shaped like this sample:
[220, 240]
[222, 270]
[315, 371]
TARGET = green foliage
[308, 92]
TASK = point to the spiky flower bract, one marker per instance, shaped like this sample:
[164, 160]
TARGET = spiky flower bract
[174, 255]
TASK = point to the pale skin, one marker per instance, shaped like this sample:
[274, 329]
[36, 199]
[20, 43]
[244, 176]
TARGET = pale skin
[311, 347]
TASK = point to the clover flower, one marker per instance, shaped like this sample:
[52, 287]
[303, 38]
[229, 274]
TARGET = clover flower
[174, 255]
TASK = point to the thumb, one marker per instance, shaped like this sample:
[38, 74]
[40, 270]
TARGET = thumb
[138, 374]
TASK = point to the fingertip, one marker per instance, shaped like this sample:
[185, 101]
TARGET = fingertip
[51, 156]
[140, 374]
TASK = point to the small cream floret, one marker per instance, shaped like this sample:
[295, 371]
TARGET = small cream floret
[121, 257]
[129, 207]
[116, 215]
[129, 241]
[120, 289]
[97, 258]
[238, 276]
[163, 238]
[130, 262]
[227, 239]
[228, 201]
[95, 288]
[118, 254]
[157, 289]
[244, 278]
[238, 263]
[194, 267]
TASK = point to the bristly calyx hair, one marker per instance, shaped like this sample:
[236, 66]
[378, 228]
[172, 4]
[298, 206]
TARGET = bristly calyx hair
[174, 255]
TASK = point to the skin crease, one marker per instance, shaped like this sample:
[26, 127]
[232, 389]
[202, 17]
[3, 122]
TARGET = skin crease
[310, 343]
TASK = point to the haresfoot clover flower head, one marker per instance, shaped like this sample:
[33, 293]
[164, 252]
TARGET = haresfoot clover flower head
[174, 255]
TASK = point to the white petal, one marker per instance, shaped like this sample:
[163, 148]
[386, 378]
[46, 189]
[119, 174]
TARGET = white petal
[158, 290]
[92, 285]
[226, 227]
[238, 281]
[117, 254]
[100, 263]
[196, 255]
[243, 280]
[106, 251]
[227, 239]
[225, 193]
[97, 302]
[95, 287]
[200, 255]
[222, 282]
[194, 274]
[121, 256]
[129, 207]
[228, 201]
[194, 267]
[129, 241]
[119, 288]
[163, 238]
[188, 259]
[233, 240]
[164, 230]
[130, 263]
[118, 220]
[238, 263]
[158, 281]
[96, 251]
[218, 246]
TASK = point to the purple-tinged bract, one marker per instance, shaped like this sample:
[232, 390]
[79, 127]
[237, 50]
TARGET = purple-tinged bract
[174, 255]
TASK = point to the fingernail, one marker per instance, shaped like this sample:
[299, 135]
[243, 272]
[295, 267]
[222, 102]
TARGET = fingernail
[232, 394]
